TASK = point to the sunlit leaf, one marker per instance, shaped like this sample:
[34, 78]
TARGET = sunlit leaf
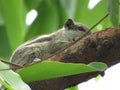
[73, 88]
[97, 78]
[2, 82]
[11, 80]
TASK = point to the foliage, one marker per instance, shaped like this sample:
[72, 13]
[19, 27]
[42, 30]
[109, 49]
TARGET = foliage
[57, 69]
[9, 79]
[51, 16]
[113, 10]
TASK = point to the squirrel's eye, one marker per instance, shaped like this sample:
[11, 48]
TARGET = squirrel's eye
[80, 28]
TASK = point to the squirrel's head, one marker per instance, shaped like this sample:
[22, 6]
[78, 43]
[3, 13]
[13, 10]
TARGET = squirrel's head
[73, 31]
[70, 25]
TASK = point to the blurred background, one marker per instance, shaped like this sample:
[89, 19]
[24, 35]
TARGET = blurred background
[25, 19]
[21, 20]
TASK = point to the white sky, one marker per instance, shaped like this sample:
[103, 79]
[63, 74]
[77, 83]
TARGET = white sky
[111, 79]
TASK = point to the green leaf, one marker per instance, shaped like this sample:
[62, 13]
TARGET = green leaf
[81, 13]
[66, 9]
[61, 11]
[73, 88]
[52, 69]
[12, 12]
[32, 4]
[69, 6]
[5, 84]
[101, 6]
[97, 78]
[44, 23]
[11, 80]
[99, 65]
[113, 9]
[5, 50]
[1, 19]
[90, 16]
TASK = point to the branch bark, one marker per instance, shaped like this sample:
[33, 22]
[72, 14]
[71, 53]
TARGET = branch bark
[103, 46]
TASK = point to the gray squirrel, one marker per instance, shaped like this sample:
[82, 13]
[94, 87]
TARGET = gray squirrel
[46, 45]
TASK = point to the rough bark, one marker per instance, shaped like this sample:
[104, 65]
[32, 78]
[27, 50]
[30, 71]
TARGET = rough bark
[103, 46]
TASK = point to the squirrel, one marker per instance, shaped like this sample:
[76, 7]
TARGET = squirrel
[46, 45]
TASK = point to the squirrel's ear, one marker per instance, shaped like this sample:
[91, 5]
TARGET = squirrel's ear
[69, 24]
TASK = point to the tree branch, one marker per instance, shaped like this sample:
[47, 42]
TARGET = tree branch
[103, 46]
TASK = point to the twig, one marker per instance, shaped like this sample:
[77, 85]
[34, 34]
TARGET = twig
[9, 63]
[16, 66]
[13, 68]
[5, 69]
